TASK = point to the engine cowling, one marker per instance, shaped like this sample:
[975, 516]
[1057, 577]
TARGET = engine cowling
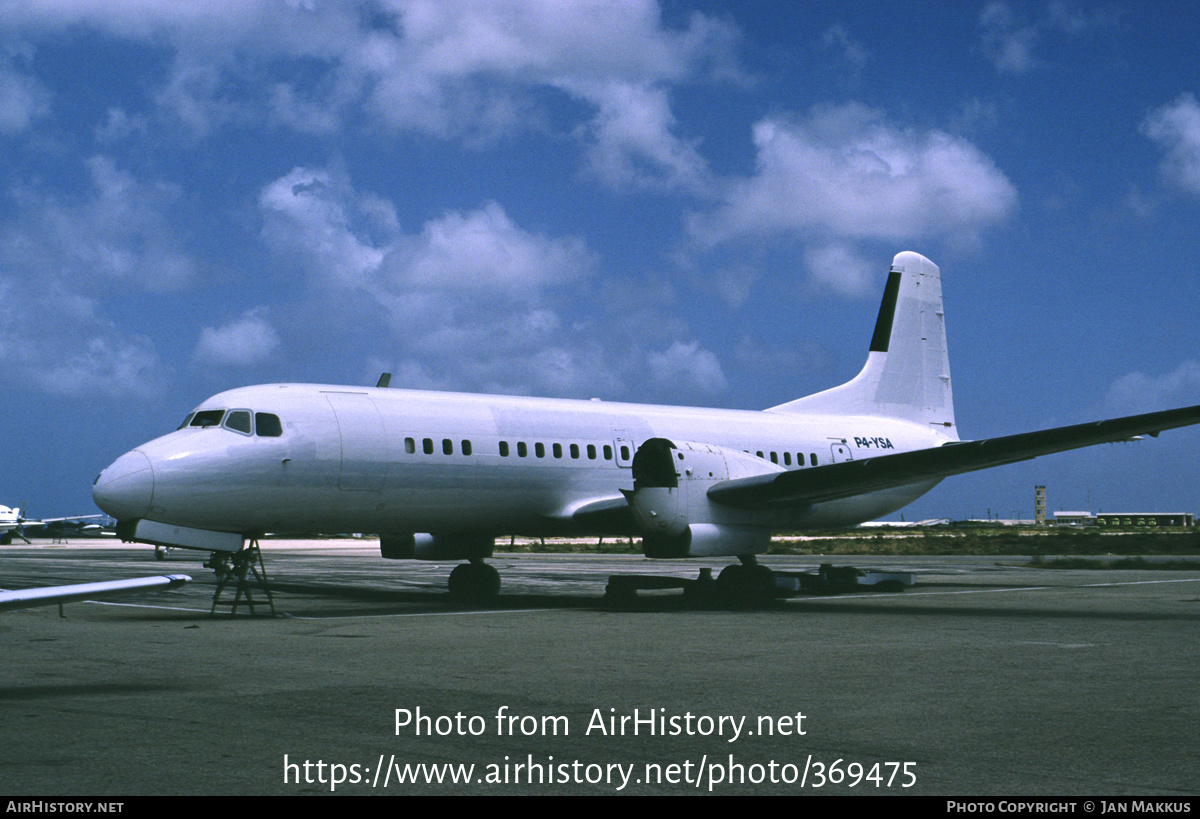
[422, 546]
[670, 503]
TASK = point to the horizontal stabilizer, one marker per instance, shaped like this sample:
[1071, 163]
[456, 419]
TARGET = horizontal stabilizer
[849, 478]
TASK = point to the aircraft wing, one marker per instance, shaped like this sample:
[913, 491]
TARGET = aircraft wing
[57, 595]
[610, 515]
[849, 478]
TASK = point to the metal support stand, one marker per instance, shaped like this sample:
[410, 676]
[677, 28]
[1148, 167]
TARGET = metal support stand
[246, 567]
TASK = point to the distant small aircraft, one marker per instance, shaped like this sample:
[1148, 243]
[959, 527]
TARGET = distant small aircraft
[441, 475]
[11, 523]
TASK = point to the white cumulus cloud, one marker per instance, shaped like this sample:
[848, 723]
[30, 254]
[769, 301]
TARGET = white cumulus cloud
[845, 174]
[1176, 130]
[686, 369]
[1010, 41]
[470, 293]
[1137, 392]
[470, 69]
[1008, 44]
[22, 100]
[72, 349]
[839, 268]
[245, 342]
[313, 217]
[485, 250]
[121, 231]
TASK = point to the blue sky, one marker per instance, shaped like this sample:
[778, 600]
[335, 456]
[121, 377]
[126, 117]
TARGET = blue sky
[671, 202]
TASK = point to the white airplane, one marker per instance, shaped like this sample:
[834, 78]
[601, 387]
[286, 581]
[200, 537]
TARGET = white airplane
[11, 523]
[442, 475]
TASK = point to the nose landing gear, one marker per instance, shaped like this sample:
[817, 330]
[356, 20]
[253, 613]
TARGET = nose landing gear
[245, 569]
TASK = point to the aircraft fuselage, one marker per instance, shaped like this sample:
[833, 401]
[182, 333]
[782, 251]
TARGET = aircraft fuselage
[384, 460]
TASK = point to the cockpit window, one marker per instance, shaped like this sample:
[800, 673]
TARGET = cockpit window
[238, 421]
[207, 418]
[265, 424]
[268, 425]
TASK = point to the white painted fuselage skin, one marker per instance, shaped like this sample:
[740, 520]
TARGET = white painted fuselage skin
[399, 461]
[9, 518]
[440, 475]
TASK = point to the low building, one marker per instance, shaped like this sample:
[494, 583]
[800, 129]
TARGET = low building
[1074, 519]
[1147, 519]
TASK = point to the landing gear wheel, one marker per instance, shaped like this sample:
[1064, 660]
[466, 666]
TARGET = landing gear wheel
[731, 578]
[474, 581]
[746, 582]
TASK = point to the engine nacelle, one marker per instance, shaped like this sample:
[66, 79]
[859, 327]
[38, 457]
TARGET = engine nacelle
[708, 540]
[671, 507]
[423, 546]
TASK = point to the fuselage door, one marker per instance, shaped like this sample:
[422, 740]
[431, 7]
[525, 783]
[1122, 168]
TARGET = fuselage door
[624, 449]
[841, 452]
[364, 446]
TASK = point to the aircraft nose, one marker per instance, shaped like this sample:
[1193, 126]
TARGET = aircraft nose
[125, 489]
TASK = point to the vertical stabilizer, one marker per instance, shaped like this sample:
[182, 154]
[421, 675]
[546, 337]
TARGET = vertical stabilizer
[907, 374]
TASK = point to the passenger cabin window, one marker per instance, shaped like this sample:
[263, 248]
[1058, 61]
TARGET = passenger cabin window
[447, 446]
[504, 449]
[238, 421]
[268, 425]
[466, 447]
[410, 446]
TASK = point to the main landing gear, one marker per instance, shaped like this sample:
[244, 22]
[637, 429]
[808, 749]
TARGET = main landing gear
[748, 580]
[474, 581]
[742, 583]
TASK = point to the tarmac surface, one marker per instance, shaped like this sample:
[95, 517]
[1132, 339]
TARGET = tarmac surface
[986, 678]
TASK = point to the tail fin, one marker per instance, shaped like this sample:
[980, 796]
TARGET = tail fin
[907, 374]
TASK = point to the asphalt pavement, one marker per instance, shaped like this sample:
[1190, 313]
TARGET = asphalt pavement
[987, 677]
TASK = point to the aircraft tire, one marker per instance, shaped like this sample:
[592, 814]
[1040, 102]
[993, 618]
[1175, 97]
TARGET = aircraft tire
[746, 583]
[474, 581]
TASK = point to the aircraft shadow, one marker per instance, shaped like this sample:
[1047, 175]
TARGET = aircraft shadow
[36, 692]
